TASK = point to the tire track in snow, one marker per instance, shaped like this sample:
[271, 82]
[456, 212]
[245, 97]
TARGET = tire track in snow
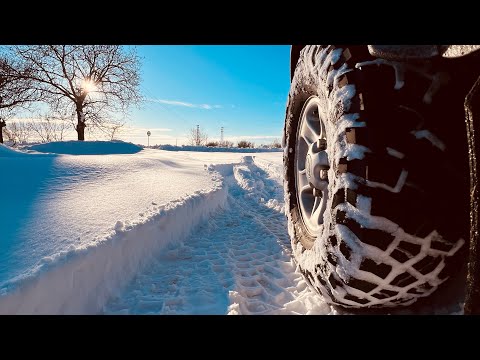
[237, 262]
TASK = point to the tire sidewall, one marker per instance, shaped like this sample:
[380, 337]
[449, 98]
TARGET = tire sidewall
[304, 86]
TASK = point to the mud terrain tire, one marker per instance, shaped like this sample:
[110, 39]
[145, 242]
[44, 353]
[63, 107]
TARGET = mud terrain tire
[392, 183]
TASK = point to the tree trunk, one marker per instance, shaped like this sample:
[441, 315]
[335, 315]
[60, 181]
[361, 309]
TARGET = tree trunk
[2, 125]
[472, 110]
[80, 124]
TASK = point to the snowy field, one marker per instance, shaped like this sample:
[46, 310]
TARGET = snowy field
[126, 230]
[111, 232]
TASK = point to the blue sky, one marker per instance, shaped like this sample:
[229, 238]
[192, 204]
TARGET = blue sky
[243, 88]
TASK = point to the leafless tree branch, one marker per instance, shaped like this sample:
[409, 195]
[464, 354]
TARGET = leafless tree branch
[89, 80]
[16, 90]
[197, 137]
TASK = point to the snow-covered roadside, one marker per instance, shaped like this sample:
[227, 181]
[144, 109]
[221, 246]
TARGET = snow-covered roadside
[159, 232]
[80, 281]
[237, 262]
[271, 166]
[74, 228]
[79, 276]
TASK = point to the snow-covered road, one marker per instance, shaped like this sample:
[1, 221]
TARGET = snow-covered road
[236, 262]
[140, 231]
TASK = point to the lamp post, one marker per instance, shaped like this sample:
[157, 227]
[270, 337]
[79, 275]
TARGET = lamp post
[148, 141]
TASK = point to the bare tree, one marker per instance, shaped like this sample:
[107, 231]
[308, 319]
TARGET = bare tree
[48, 128]
[227, 144]
[109, 130]
[89, 80]
[6, 134]
[115, 130]
[3, 130]
[18, 132]
[245, 144]
[15, 87]
[276, 144]
[197, 137]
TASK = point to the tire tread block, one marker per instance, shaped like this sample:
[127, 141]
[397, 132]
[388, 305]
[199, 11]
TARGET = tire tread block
[356, 299]
[403, 280]
[427, 264]
[380, 269]
[362, 285]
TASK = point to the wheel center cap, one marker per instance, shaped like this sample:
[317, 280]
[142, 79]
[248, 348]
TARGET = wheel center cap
[316, 167]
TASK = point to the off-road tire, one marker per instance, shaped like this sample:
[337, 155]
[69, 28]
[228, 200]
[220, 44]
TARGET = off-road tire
[396, 217]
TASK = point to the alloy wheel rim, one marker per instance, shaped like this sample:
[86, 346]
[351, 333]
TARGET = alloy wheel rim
[311, 166]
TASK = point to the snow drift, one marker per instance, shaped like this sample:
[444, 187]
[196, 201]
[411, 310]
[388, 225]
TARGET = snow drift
[80, 280]
[6, 151]
[86, 147]
[76, 228]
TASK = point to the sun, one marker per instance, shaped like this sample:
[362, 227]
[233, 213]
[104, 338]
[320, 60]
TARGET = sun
[88, 86]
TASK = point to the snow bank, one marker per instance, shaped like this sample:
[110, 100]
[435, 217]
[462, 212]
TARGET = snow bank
[211, 149]
[81, 280]
[236, 262]
[86, 147]
[273, 169]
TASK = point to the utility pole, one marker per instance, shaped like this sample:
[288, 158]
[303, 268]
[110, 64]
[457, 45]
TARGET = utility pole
[221, 135]
[197, 140]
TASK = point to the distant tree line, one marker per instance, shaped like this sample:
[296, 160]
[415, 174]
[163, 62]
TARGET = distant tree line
[198, 137]
[245, 144]
[88, 84]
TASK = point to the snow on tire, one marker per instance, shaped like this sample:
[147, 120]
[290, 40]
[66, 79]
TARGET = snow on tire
[365, 211]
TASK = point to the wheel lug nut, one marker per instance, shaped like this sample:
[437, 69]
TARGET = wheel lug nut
[322, 144]
[323, 174]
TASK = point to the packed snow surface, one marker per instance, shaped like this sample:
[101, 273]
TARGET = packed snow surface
[238, 262]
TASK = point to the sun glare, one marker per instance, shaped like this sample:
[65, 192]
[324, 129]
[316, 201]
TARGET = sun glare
[88, 86]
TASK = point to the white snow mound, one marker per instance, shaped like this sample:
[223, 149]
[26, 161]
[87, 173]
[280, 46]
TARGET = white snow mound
[86, 147]
[6, 151]
[81, 279]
